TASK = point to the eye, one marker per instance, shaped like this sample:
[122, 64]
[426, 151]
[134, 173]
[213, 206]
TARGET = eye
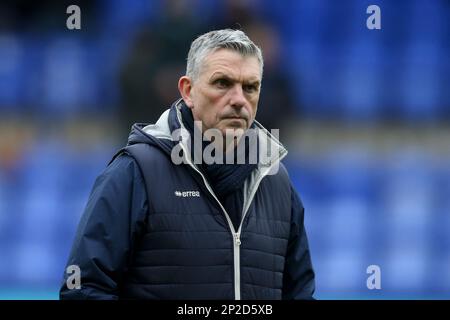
[222, 83]
[250, 88]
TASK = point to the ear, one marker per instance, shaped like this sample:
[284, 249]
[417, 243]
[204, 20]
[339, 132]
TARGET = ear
[185, 88]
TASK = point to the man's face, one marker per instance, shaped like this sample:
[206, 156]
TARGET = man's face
[226, 93]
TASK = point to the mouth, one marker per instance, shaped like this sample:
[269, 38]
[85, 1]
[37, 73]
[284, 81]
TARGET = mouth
[233, 121]
[235, 118]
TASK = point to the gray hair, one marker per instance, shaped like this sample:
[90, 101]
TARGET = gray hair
[207, 43]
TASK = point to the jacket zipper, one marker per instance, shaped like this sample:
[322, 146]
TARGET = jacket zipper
[236, 235]
[237, 238]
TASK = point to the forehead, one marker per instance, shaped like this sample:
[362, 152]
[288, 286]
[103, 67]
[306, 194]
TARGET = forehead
[231, 63]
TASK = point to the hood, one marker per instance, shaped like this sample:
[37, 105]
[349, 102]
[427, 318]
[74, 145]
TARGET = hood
[158, 134]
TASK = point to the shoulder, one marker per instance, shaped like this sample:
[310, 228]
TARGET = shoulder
[123, 170]
[122, 164]
[277, 183]
[279, 174]
[282, 171]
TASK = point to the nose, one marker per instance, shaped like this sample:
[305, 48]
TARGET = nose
[237, 97]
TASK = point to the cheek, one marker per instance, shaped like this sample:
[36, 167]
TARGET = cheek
[253, 106]
[208, 107]
[213, 104]
[208, 99]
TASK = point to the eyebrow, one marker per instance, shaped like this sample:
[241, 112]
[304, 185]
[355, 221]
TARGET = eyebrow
[219, 74]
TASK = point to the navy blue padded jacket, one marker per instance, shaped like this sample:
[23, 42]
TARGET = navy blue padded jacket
[153, 229]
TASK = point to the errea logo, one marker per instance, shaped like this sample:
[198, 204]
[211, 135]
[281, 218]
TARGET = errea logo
[186, 194]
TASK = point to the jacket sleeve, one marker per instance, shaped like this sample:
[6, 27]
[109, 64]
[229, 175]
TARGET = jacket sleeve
[113, 218]
[298, 277]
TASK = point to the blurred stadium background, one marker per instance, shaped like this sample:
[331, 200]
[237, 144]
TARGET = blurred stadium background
[364, 113]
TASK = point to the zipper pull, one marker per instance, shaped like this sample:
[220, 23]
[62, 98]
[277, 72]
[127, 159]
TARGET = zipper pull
[236, 237]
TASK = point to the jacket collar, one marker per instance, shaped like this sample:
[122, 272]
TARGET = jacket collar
[271, 150]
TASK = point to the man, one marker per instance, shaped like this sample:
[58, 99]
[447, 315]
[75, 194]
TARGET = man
[161, 223]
